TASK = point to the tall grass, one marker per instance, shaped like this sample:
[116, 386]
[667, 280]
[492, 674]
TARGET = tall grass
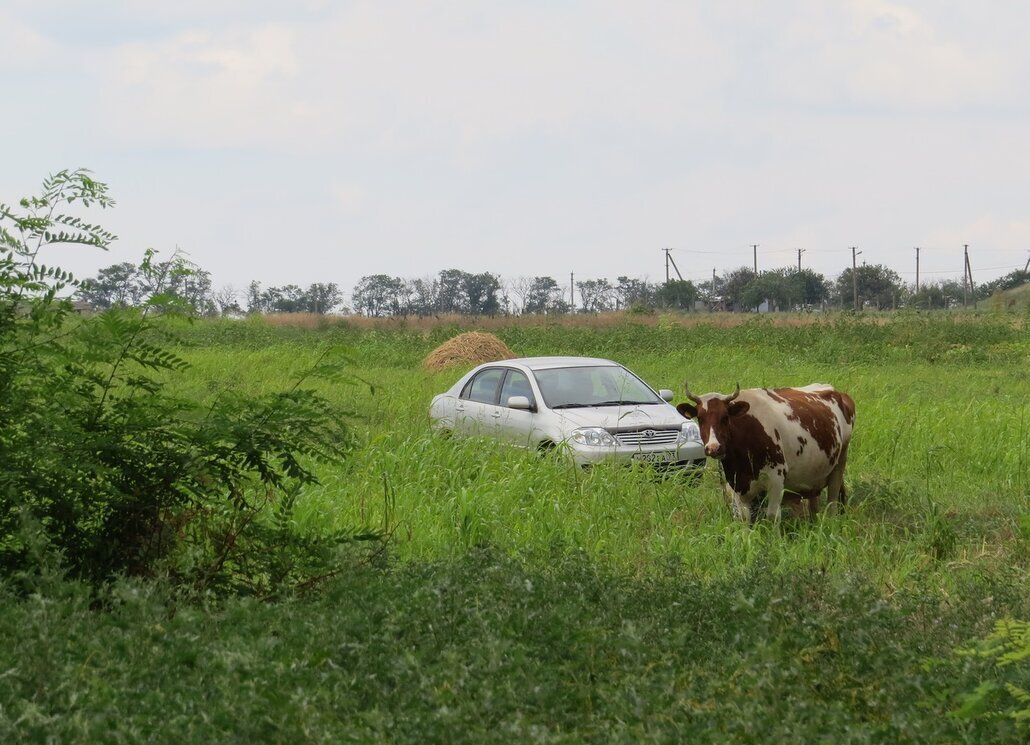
[937, 467]
[526, 600]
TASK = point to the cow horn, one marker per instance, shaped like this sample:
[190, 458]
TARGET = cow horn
[735, 394]
[691, 396]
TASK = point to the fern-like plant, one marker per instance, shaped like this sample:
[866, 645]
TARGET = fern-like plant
[101, 464]
[1008, 645]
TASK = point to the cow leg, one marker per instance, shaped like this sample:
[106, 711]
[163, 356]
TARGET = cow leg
[797, 503]
[740, 509]
[811, 504]
[775, 497]
[835, 492]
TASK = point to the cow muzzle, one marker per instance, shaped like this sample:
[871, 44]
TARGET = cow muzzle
[715, 451]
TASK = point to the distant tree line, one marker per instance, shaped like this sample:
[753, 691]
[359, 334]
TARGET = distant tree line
[128, 284]
[319, 297]
[453, 291]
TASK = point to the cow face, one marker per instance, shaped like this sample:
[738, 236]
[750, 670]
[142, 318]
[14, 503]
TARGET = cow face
[715, 416]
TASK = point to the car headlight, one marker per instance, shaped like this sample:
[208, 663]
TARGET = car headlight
[593, 436]
[690, 432]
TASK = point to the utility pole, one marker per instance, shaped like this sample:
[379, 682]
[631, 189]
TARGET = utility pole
[854, 274]
[713, 288]
[917, 270]
[572, 290]
[754, 247]
[670, 260]
[965, 275]
[969, 275]
[800, 251]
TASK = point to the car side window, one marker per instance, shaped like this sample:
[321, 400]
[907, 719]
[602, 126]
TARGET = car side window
[516, 384]
[483, 387]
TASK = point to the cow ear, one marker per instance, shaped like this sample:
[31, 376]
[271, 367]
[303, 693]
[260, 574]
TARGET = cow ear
[687, 410]
[739, 407]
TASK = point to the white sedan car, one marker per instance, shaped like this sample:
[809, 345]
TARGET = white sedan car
[594, 409]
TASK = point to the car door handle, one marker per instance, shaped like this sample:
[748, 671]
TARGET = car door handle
[497, 415]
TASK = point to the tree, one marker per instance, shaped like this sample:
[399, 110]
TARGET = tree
[520, 288]
[480, 294]
[255, 300]
[596, 295]
[227, 300]
[773, 285]
[127, 285]
[544, 296]
[450, 296]
[785, 288]
[378, 295]
[877, 285]
[1010, 281]
[677, 294]
[117, 284]
[285, 299]
[733, 286]
[635, 293]
[185, 281]
[421, 296]
[809, 287]
[322, 297]
[940, 295]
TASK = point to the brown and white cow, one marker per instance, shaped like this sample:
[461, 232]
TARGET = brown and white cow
[775, 439]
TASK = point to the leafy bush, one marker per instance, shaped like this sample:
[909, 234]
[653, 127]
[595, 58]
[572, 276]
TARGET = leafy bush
[484, 648]
[1008, 646]
[103, 465]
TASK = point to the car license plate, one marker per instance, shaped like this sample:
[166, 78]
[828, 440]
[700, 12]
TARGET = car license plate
[652, 457]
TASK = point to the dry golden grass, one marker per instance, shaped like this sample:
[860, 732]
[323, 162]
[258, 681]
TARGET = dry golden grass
[612, 319]
[470, 348]
[593, 320]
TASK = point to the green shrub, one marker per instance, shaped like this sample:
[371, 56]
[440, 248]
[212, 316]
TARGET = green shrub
[102, 465]
[1008, 695]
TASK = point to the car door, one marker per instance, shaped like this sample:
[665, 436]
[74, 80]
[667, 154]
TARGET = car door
[476, 411]
[516, 425]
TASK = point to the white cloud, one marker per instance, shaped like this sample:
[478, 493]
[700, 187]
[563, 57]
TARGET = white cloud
[23, 47]
[204, 88]
[567, 136]
[350, 198]
[876, 54]
[395, 77]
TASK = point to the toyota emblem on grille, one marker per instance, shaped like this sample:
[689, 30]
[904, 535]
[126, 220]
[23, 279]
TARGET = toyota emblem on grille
[648, 433]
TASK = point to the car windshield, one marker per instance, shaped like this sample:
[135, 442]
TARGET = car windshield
[603, 385]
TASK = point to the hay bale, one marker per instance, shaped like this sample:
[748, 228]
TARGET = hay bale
[467, 350]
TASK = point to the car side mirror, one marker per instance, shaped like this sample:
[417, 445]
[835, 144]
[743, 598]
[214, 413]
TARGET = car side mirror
[666, 394]
[519, 402]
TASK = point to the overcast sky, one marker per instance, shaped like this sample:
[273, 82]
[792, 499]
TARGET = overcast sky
[318, 141]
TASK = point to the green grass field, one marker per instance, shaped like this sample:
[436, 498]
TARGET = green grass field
[524, 599]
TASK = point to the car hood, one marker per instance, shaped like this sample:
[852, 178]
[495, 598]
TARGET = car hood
[612, 417]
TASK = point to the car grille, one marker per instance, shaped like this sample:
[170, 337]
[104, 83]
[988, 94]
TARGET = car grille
[647, 437]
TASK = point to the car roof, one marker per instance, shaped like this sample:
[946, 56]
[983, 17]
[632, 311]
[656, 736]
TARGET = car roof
[544, 363]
